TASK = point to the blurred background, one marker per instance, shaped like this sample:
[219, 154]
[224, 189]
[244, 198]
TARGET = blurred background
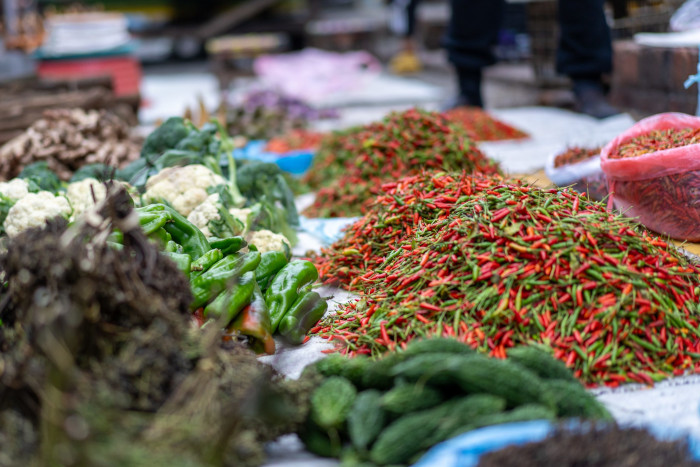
[149, 59]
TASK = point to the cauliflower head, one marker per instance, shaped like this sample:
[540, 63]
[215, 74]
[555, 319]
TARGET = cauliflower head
[213, 220]
[34, 210]
[184, 188]
[15, 189]
[79, 195]
[265, 240]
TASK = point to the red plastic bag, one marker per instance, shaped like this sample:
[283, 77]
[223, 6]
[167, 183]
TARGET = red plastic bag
[660, 189]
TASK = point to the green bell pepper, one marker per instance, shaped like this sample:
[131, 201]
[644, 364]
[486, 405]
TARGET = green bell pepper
[231, 301]
[228, 245]
[161, 237]
[284, 288]
[181, 260]
[302, 316]
[209, 285]
[254, 322]
[271, 262]
[183, 231]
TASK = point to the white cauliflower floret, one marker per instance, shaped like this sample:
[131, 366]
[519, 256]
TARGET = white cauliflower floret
[205, 212]
[79, 195]
[265, 240]
[15, 189]
[34, 210]
[184, 188]
[213, 219]
[241, 214]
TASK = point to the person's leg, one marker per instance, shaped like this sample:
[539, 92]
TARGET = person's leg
[585, 53]
[403, 23]
[471, 33]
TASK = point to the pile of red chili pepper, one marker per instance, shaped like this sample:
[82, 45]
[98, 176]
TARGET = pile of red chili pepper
[496, 265]
[575, 154]
[481, 126]
[656, 140]
[351, 166]
[295, 140]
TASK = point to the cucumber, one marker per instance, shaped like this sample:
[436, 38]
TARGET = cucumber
[366, 419]
[572, 400]
[410, 398]
[540, 362]
[436, 345]
[331, 402]
[417, 431]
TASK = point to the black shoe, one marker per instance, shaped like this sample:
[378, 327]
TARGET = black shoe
[590, 100]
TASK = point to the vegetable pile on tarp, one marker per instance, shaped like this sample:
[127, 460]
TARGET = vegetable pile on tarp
[67, 140]
[653, 172]
[350, 167]
[481, 126]
[498, 265]
[579, 168]
[389, 411]
[101, 365]
[172, 169]
[599, 446]
[295, 140]
[265, 114]
[252, 292]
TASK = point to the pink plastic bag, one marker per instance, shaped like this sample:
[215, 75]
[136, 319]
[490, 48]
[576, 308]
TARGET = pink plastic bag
[660, 189]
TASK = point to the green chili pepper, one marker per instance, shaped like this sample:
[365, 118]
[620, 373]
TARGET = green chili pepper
[284, 288]
[228, 245]
[183, 231]
[210, 284]
[270, 264]
[254, 322]
[161, 237]
[172, 247]
[302, 316]
[152, 221]
[231, 301]
[182, 261]
[204, 262]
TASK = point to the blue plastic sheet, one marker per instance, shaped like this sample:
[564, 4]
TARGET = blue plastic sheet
[294, 162]
[465, 450]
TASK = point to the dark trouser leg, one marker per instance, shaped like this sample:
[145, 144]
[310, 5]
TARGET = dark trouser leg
[585, 53]
[585, 48]
[471, 33]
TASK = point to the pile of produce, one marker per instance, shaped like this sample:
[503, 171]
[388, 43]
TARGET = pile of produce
[68, 140]
[101, 365]
[351, 166]
[498, 265]
[656, 140]
[193, 170]
[295, 140]
[575, 154]
[608, 446]
[265, 114]
[390, 411]
[481, 126]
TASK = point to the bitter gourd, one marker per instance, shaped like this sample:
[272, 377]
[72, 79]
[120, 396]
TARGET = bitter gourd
[436, 345]
[366, 419]
[331, 402]
[542, 363]
[572, 400]
[407, 398]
